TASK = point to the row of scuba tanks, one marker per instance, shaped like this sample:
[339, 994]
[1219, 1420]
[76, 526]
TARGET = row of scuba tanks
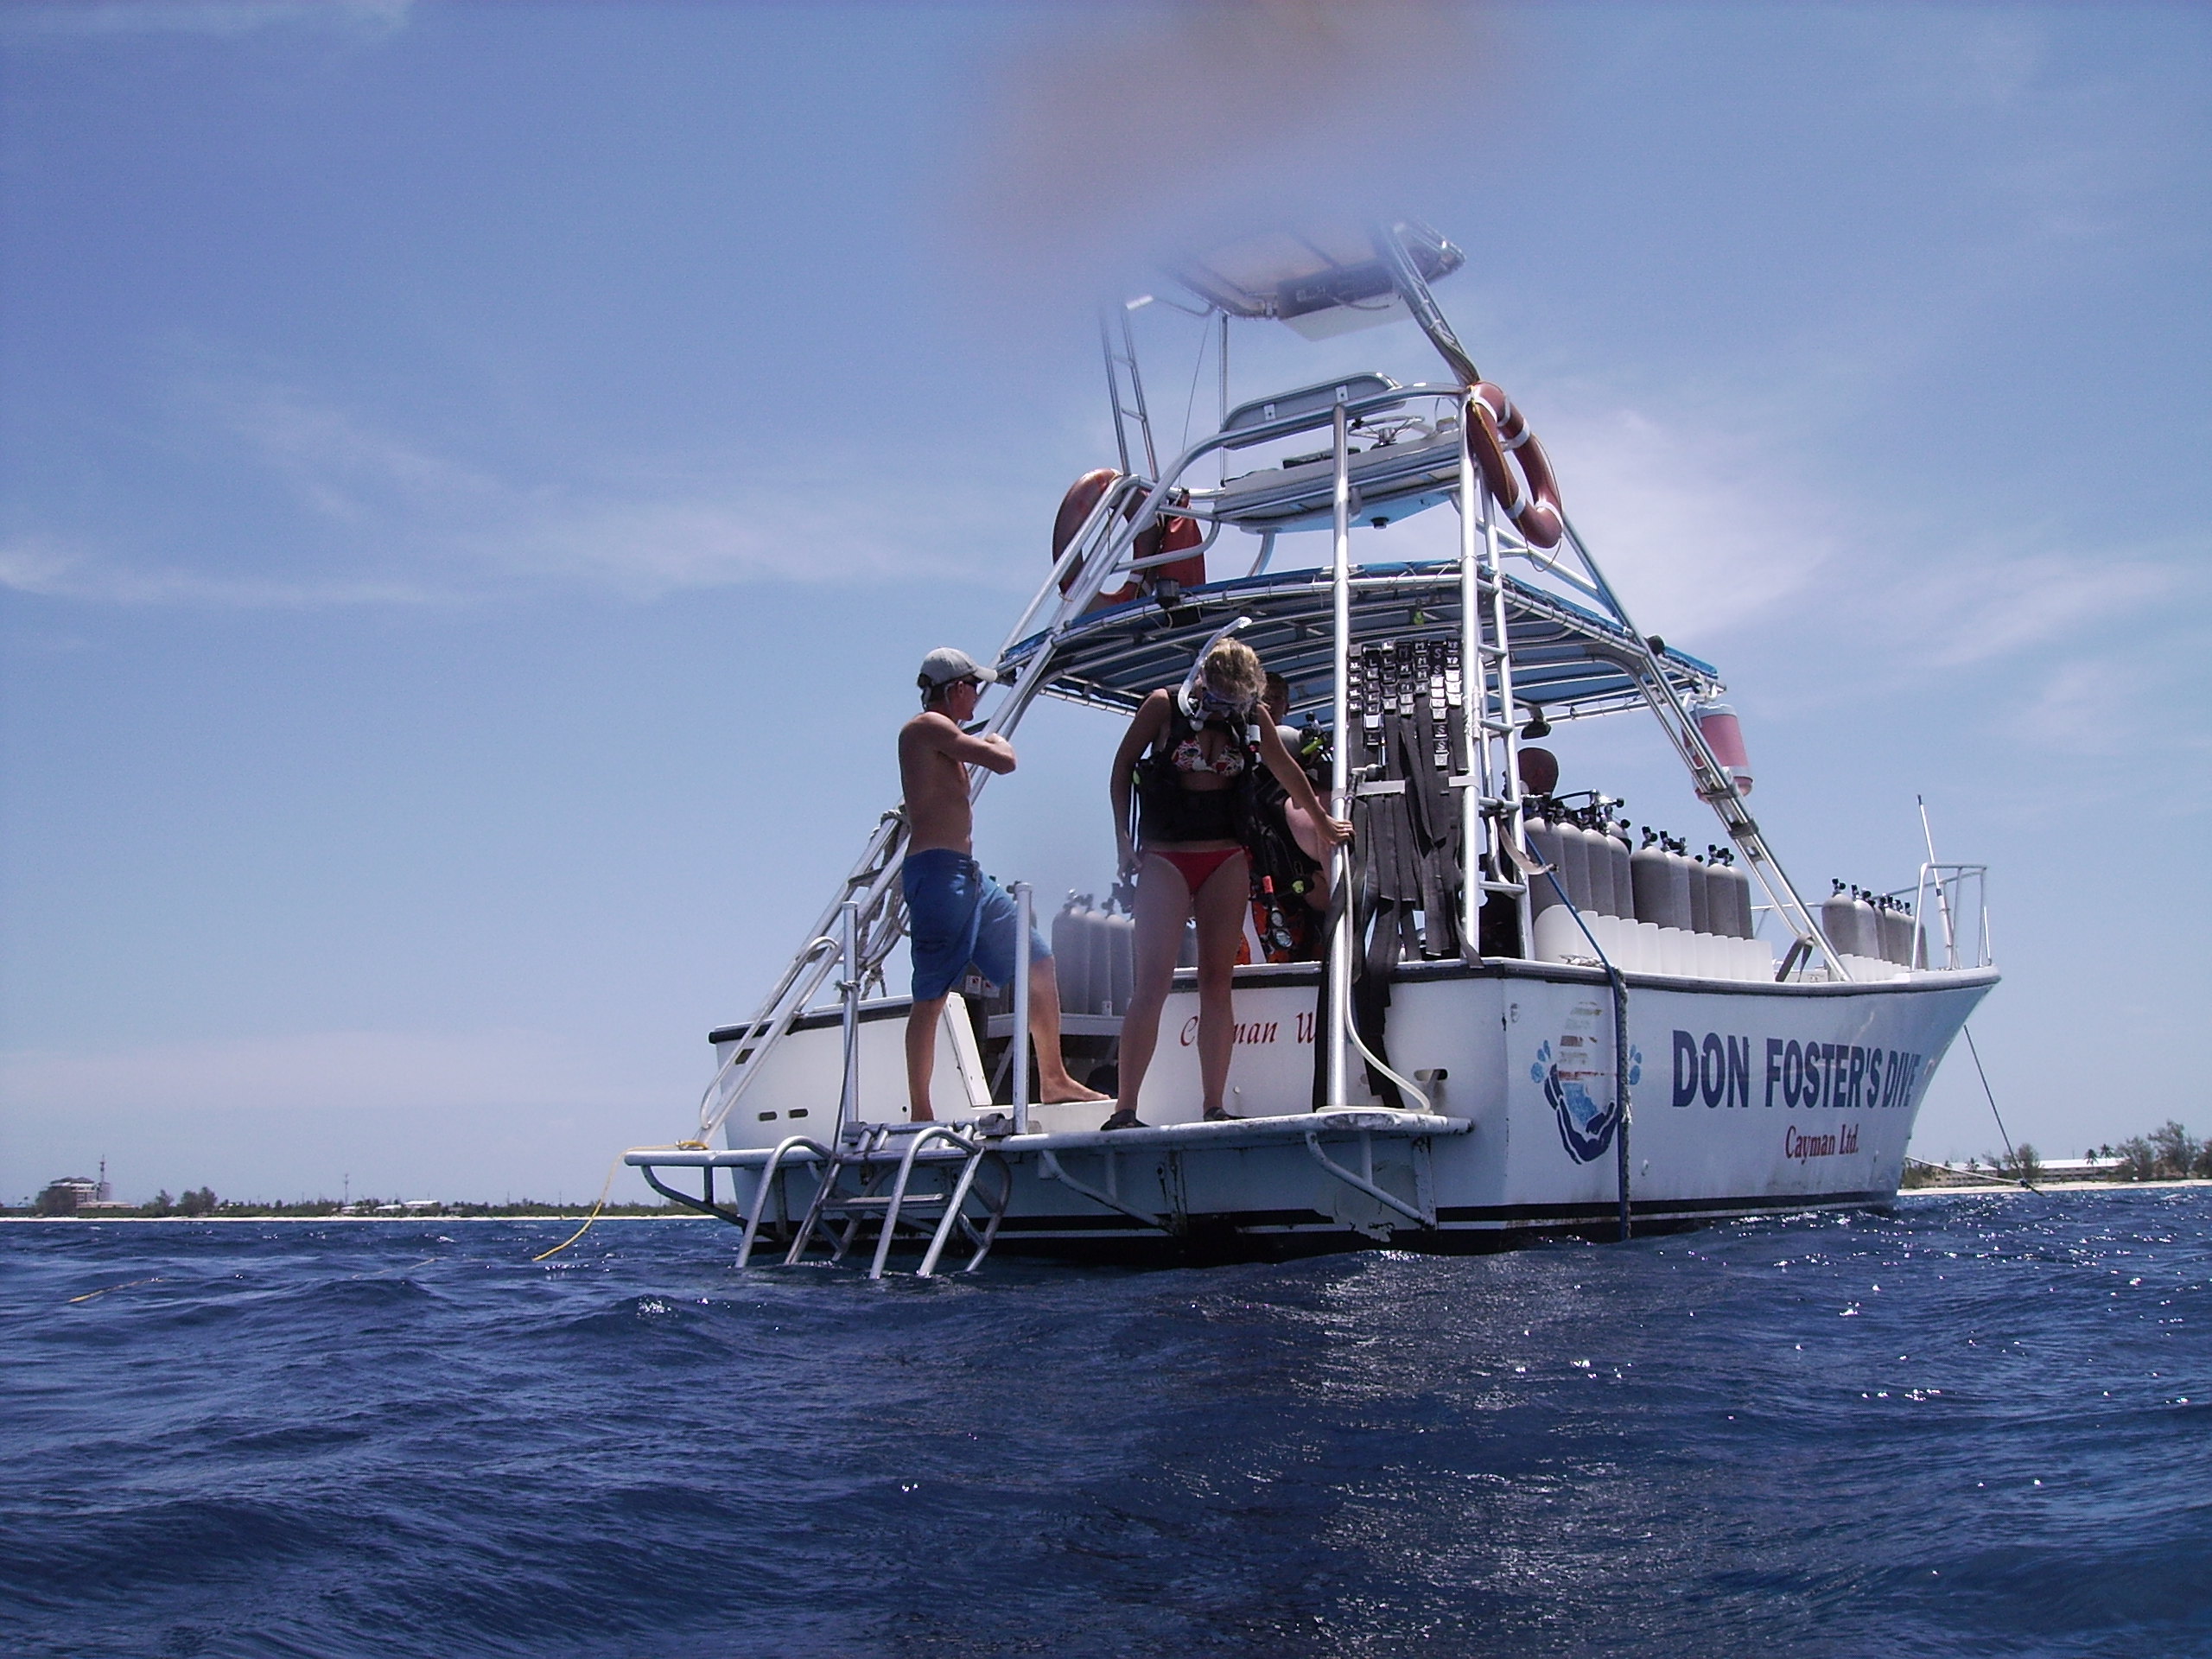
[1875, 935]
[1654, 909]
[1092, 951]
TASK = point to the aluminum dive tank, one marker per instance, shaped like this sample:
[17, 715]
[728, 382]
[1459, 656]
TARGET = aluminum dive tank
[1660, 897]
[1724, 735]
[1896, 934]
[1573, 864]
[1720, 896]
[1680, 878]
[1599, 872]
[1544, 842]
[1700, 896]
[1075, 932]
[1839, 921]
[1120, 929]
[1739, 901]
[1616, 861]
[1869, 926]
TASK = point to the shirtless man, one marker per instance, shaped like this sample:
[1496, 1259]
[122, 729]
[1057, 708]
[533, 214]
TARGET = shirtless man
[956, 914]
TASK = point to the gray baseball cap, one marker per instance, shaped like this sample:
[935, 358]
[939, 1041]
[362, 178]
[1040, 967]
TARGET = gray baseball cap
[946, 664]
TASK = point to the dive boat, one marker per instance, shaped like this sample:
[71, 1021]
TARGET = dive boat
[1511, 1024]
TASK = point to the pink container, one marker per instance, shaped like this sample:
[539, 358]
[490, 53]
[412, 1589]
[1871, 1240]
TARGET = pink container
[1724, 735]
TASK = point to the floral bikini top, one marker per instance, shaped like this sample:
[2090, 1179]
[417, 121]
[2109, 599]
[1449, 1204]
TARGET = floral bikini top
[1190, 755]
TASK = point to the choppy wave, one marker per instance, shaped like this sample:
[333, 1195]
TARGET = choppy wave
[1975, 1427]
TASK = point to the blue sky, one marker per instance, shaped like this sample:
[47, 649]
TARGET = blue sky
[475, 480]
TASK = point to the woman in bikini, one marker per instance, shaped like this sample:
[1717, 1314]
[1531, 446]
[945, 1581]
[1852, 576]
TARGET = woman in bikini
[1187, 758]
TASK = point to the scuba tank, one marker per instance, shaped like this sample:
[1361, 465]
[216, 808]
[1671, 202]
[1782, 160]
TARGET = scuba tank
[1700, 896]
[1839, 921]
[1616, 861]
[1869, 926]
[1573, 864]
[1544, 840]
[1658, 896]
[1119, 972]
[1896, 934]
[1678, 873]
[1733, 894]
[1599, 871]
[1628, 946]
[1075, 931]
[1885, 930]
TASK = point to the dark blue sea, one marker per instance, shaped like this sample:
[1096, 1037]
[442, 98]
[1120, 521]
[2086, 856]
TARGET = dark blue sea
[1979, 1426]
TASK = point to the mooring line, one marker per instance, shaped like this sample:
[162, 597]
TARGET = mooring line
[104, 1289]
[1967, 1032]
[606, 1187]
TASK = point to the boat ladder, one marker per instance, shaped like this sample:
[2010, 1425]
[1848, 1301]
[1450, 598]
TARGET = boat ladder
[870, 1179]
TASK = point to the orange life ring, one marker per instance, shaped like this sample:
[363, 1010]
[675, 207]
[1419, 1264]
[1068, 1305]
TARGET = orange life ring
[1525, 486]
[1171, 533]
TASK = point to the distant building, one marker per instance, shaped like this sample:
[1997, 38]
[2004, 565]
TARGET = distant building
[77, 1195]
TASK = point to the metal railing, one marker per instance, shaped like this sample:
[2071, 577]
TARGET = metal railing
[1961, 896]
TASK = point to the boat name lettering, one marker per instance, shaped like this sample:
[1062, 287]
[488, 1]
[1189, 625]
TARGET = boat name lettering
[1716, 1068]
[1837, 1143]
[1255, 1031]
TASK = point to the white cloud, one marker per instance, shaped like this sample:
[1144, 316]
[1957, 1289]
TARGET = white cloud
[1694, 526]
[338, 463]
[43, 567]
[1996, 601]
[648, 548]
[394, 521]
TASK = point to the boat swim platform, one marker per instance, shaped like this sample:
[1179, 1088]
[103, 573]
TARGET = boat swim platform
[1109, 1231]
[1146, 1160]
[996, 1126]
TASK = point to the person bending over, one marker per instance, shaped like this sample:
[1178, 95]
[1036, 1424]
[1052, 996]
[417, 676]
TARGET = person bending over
[1189, 757]
[957, 916]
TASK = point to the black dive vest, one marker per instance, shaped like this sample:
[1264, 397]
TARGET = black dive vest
[1170, 813]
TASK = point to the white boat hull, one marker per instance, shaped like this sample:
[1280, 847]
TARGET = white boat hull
[1745, 1098]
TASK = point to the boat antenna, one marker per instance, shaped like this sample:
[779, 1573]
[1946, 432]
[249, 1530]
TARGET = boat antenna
[1942, 894]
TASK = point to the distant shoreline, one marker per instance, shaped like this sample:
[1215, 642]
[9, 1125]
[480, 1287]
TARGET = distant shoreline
[584, 1212]
[2047, 1185]
[164, 1221]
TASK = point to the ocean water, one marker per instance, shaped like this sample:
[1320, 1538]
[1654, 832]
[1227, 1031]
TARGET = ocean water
[1977, 1425]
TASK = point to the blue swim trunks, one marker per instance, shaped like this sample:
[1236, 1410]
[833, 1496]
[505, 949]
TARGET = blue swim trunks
[957, 915]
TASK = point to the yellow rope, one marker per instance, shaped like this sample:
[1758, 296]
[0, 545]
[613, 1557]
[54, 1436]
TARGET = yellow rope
[605, 1188]
[104, 1289]
[607, 1185]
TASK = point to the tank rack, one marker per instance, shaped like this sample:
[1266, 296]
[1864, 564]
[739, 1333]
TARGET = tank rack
[1876, 934]
[1655, 910]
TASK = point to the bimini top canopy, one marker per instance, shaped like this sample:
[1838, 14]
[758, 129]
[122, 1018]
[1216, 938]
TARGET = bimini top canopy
[1566, 661]
[1322, 281]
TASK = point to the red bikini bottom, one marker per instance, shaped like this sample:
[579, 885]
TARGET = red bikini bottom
[1197, 867]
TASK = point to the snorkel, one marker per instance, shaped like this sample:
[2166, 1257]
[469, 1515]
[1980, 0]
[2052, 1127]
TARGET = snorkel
[1196, 703]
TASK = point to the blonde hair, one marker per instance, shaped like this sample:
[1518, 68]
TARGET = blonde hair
[1232, 670]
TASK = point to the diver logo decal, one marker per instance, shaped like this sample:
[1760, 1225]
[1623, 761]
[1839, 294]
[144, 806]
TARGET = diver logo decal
[1577, 1076]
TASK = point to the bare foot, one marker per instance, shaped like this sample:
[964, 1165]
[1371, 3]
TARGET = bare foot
[925, 1115]
[1055, 1095]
